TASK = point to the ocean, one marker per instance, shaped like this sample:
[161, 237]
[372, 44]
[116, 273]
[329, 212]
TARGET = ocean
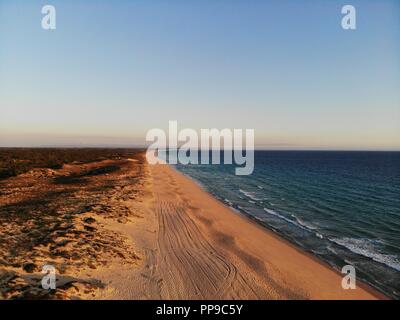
[341, 206]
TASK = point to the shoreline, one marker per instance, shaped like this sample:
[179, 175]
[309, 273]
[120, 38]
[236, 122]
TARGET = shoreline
[193, 246]
[264, 227]
[125, 229]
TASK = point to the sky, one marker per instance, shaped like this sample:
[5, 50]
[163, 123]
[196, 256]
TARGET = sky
[112, 70]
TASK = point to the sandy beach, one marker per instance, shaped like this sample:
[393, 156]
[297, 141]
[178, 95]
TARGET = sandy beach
[280, 127]
[194, 247]
[123, 229]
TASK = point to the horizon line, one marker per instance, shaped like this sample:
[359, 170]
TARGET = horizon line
[145, 147]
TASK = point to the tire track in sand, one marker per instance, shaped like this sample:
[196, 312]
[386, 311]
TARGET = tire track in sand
[193, 265]
[202, 271]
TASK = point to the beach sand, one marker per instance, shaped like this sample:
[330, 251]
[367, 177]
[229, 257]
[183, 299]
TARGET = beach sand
[194, 247]
[125, 229]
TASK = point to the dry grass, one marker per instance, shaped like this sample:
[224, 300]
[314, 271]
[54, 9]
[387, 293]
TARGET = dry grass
[55, 216]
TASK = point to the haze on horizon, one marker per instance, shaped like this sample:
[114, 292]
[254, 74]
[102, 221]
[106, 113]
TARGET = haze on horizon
[112, 70]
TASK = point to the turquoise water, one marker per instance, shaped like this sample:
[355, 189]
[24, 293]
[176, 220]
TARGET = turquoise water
[344, 207]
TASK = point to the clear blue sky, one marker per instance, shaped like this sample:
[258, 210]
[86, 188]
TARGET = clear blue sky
[114, 69]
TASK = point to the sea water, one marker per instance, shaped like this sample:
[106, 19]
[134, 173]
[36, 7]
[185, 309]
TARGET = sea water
[343, 207]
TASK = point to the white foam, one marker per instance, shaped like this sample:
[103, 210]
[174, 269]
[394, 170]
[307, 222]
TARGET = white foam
[303, 223]
[274, 213]
[297, 222]
[370, 249]
[228, 202]
[250, 195]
